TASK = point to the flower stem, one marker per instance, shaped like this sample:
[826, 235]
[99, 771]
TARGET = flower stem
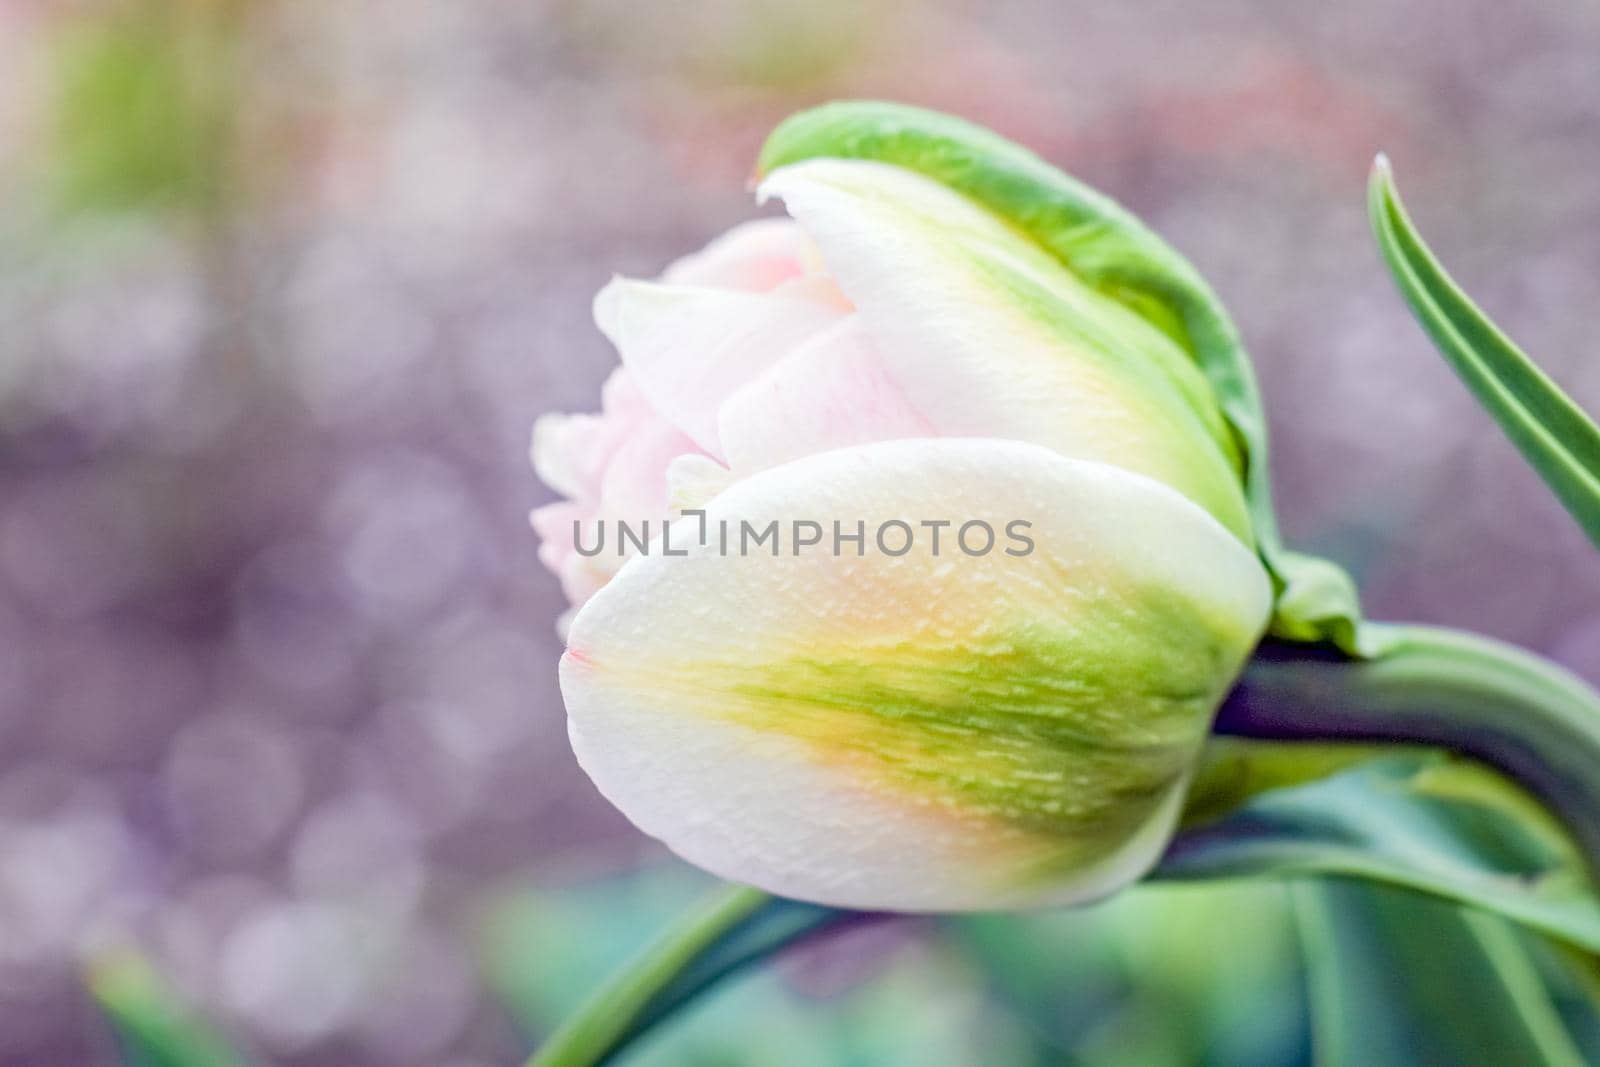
[603, 1022]
[1510, 709]
[736, 926]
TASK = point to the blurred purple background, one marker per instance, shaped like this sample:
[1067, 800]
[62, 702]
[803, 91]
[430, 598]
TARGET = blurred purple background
[283, 286]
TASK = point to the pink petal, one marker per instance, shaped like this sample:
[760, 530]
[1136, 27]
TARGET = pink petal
[690, 347]
[831, 392]
[755, 257]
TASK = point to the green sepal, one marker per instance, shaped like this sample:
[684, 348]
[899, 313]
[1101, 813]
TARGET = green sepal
[1116, 254]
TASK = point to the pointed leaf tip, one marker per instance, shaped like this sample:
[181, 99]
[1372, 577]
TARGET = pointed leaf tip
[1554, 434]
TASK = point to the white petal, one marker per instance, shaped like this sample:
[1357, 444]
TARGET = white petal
[635, 486]
[830, 392]
[572, 452]
[918, 732]
[755, 256]
[689, 347]
[694, 480]
[990, 336]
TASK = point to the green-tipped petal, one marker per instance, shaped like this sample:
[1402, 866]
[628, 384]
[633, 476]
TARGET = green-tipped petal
[919, 732]
[1120, 258]
[989, 336]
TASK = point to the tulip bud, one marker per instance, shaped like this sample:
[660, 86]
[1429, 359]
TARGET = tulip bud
[1004, 564]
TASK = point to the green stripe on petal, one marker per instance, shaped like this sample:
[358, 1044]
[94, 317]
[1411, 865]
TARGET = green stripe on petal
[919, 732]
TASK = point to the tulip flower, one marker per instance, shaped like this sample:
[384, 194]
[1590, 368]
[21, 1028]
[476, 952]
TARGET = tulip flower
[1010, 563]
[949, 337]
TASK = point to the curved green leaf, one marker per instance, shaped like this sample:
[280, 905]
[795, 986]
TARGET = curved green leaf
[1551, 431]
[1398, 978]
[1518, 713]
[1112, 251]
[1573, 978]
[1418, 819]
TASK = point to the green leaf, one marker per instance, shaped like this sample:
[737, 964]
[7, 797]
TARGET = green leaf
[154, 1028]
[1113, 252]
[1527, 719]
[1573, 979]
[1551, 432]
[1397, 978]
[1419, 819]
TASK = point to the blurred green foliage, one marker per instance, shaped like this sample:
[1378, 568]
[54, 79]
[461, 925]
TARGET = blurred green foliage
[153, 1026]
[1193, 975]
[143, 100]
[1397, 977]
[1159, 977]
